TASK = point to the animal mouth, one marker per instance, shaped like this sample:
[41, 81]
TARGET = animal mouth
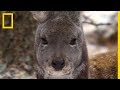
[65, 71]
[58, 74]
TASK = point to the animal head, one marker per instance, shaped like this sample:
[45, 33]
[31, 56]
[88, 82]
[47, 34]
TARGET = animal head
[60, 46]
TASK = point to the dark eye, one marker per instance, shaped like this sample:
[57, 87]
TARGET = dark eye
[44, 41]
[73, 41]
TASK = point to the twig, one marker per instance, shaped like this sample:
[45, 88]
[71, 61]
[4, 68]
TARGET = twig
[95, 24]
[90, 21]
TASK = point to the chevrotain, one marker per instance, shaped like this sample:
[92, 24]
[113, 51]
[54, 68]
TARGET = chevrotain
[61, 52]
[60, 46]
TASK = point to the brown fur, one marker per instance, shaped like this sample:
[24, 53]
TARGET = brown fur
[103, 66]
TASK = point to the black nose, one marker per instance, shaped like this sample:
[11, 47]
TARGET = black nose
[58, 64]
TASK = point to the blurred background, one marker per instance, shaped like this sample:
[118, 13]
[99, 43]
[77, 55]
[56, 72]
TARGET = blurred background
[17, 45]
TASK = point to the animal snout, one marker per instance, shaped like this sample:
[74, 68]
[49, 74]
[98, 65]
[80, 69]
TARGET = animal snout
[58, 64]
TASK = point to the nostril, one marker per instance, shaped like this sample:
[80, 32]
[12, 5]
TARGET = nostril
[58, 64]
[53, 63]
[62, 63]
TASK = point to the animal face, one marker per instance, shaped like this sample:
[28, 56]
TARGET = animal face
[59, 44]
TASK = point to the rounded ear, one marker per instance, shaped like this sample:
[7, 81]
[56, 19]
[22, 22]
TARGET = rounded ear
[40, 16]
[75, 16]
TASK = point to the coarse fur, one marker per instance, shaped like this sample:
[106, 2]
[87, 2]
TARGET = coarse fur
[54, 33]
[103, 66]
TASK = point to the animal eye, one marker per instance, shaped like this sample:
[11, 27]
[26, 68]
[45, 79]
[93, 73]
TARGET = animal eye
[44, 41]
[73, 41]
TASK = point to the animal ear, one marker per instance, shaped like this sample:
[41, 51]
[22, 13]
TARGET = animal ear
[40, 16]
[75, 16]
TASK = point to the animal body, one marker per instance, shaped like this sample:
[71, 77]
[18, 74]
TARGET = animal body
[103, 66]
